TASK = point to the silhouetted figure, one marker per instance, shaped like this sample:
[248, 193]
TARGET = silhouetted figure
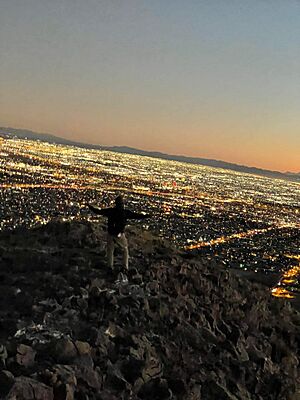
[116, 222]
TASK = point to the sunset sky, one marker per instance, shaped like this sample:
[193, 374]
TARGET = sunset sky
[215, 79]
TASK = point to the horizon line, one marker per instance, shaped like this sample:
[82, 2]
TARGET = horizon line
[153, 152]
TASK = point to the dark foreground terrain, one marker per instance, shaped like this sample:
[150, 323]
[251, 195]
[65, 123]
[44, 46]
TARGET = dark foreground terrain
[183, 328]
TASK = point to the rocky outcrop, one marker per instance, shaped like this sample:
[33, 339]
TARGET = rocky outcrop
[182, 328]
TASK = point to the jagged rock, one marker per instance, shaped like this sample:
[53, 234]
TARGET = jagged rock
[194, 393]
[82, 348]
[6, 382]
[290, 364]
[65, 350]
[254, 353]
[63, 380]
[3, 356]
[132, 370]
[214, 390]
[135, 276]
[153, 368]
[90, 377]
[177, 386]
[192, 336]
[115, 378]
[24, 302]
[27, 389]
[98, 338]
[156, 389]
[107, 395]
[64, 392]
[208, 335]
[25, 355]
[73, 352]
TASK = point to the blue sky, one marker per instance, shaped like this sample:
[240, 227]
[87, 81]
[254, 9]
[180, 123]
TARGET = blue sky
[217, 79]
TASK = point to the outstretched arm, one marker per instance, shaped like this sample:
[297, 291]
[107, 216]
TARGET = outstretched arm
[97, 210]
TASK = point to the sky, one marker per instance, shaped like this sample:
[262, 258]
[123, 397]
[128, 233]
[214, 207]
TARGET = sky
[215, 79]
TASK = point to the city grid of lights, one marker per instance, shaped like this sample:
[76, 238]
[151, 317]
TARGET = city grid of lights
[245, 221]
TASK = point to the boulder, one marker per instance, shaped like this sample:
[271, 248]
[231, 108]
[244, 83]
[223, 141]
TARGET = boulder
[65, 351]
[155, 389]
[28, 389]
[25, 355]
[89, 377]
[62, 379]
[212, 389]
[6, 382]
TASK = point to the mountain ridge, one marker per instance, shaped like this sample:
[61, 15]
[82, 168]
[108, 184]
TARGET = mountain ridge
[24, 133]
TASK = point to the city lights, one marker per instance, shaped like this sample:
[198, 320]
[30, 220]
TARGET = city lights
[244, 221]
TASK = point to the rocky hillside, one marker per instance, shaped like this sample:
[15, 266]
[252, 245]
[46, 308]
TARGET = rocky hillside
[183, 328]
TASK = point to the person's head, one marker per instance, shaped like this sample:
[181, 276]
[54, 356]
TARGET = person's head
[119, 202]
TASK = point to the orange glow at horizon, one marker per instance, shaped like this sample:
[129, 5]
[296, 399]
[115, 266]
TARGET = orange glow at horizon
[200, 79]
[283, 157]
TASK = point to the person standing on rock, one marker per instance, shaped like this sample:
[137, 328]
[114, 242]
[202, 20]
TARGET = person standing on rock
[116, 222]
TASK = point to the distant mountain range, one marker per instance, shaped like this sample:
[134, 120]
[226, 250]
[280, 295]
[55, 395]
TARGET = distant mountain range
[23, 133]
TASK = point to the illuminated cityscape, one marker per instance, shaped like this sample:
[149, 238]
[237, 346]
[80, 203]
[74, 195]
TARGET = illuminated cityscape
[244, 221]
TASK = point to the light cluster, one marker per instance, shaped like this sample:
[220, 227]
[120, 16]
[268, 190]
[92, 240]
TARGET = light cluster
[245, 221]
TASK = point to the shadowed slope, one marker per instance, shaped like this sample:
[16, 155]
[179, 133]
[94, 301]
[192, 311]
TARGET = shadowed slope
[183, 328]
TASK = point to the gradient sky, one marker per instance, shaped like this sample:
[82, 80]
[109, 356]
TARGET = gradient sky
[216, 79]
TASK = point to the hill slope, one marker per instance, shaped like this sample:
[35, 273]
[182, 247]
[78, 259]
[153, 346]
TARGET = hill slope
[183, 328]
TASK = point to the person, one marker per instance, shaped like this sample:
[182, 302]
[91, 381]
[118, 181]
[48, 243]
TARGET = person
[116, 222]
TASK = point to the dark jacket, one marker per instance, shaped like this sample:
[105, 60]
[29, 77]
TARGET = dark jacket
[117, 218]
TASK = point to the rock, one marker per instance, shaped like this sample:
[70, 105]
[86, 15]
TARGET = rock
[208, 335]
[194, 393]
[115, 378]
[97, 283]
[214, 390]
[89, 377]
[60, 373]
[65, 351]
[177, 386]
[25, 355]
[24, 302]
[132, 369]
[156, 389]
[290, 364]
[107, 395]
[6, 382]
[135, 277]
[83, 348]
[97, 337]
[68, 352]
[192, 336]
[64, 392]
[153, 368]
[3, 356]
[82, 304]
[28, 389]
[153, 287]
[63, 380]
